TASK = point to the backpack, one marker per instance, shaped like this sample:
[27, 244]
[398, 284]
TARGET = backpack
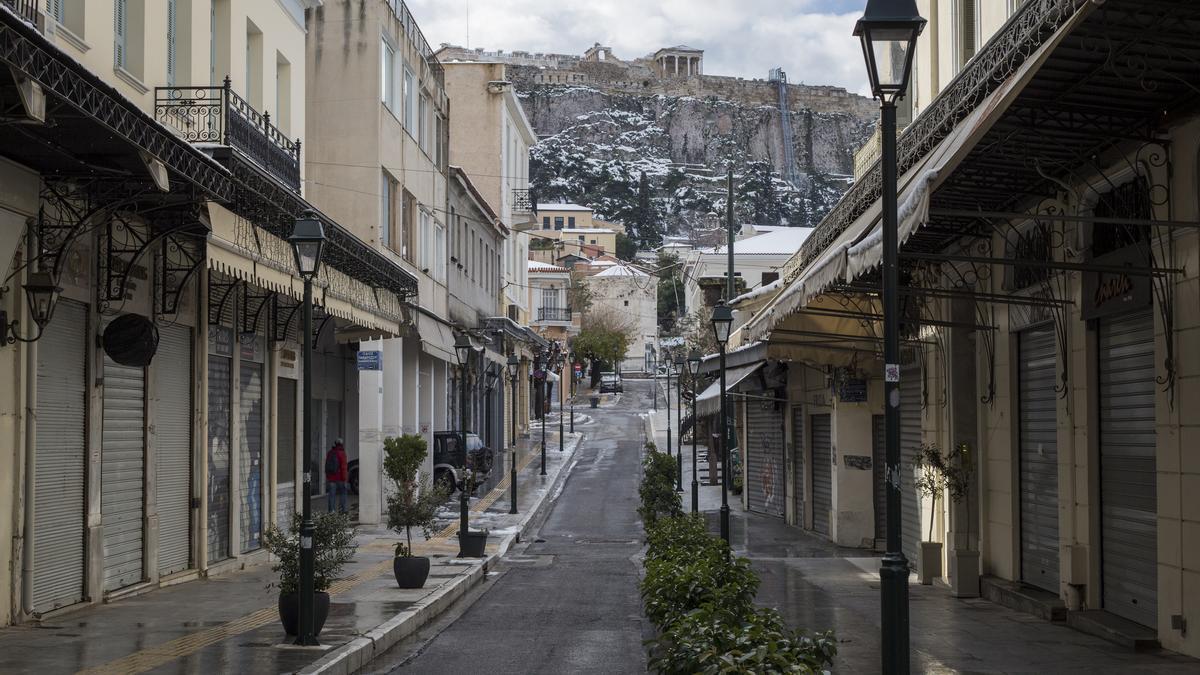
[332, 465]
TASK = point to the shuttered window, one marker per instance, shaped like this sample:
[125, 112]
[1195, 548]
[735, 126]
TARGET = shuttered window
[822, 463]
[120, 31]
[172, 31]
[173, 447]
[967, 30]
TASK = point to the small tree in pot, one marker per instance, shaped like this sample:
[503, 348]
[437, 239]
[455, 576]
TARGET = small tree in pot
[333, 542]
[413, 503]
[930, 482]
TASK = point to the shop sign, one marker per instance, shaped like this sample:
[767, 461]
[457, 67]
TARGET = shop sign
[252, 348]
[853, 391]
[287, 362]
[220, 340]
[370, 360]
[1109, 293]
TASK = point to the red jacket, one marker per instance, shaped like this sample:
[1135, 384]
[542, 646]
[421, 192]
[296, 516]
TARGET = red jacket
[343, 474]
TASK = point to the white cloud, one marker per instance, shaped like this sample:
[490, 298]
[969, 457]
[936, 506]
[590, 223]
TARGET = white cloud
[811, 39]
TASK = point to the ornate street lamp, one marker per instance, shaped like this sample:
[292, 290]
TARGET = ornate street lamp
[679, 365]
[693, 364]
[462, 348]
[41, 295]
[513, 364]
[888, 31]
[539, 376]
[308, 243]
[722, 321]
[667, 367]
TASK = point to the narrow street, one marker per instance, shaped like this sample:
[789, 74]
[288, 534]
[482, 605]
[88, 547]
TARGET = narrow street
[568, 602]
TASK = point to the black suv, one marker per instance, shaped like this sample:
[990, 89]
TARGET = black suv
[450, 462]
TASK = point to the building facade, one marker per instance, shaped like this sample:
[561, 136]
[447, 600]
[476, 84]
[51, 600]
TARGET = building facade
[627, 296]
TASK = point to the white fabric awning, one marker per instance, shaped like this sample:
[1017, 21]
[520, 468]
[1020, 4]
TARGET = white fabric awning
[709, 400]
[437, 340]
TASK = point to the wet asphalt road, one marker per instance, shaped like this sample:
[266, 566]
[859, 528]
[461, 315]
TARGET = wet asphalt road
[567, 603]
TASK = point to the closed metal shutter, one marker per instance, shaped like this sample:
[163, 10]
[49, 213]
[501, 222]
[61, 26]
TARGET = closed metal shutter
[879, 473]
[61, 460]
[798, 448]
[173, 448]
[220, 399]
[285, 448]
[766, 492]
[123, 473]
[910, 446]
[250, 456]
[1128, 485]
[822, 472]
[1038, 447]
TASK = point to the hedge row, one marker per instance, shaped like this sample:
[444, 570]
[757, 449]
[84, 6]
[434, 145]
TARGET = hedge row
[701, 598]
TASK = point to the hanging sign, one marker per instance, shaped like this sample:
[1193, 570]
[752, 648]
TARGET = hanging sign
[853, 391]
[1109, 293]
[370, 360]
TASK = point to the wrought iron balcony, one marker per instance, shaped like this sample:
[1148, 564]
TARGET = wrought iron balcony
[27, 9]
[562, 314]
[524, 201]
[218, 115]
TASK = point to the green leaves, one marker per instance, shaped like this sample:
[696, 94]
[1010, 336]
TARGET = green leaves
[415, 500]
[333, 544]
[657, 490]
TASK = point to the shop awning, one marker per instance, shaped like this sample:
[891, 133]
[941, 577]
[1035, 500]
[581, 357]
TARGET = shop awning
[437, 339]
[709, 400]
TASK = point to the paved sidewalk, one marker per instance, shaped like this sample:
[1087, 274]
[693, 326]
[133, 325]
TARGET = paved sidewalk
[230, 623]
[818, 585]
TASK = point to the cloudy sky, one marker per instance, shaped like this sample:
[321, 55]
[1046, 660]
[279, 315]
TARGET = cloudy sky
[810, 38]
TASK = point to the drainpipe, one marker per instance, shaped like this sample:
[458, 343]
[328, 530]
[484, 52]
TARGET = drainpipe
[31, 350]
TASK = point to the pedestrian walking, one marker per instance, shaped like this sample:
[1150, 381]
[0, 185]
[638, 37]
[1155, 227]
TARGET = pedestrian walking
[337, 475]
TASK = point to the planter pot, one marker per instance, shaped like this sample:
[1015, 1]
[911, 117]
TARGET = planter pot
[472, 544]
[929, 562]
[289, 611]
[410, 571]
[595, 401]
[964, 573]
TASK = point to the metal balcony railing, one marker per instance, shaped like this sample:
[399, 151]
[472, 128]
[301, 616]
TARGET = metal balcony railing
[524, 201]
[554, 314]
[218, 115]
[27, 9]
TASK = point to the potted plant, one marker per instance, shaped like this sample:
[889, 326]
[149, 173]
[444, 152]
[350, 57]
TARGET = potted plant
[964, 560]
[413, 503]
[333, 543]
[472, 543]
[930, 482]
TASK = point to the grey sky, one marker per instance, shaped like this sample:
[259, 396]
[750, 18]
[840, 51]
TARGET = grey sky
[810, 38]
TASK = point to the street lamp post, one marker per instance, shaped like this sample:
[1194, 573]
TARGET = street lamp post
[693, 362]
[539, 377]
[308, 242]
[513, 364]
[571, 371]
[722, 321]
[888, 31]
[667, 366]
[462, 346]
[558, 365]
[679, 365]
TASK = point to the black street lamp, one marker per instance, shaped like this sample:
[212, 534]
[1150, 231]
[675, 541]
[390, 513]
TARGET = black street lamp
[679, 365]
[539, 375]
[308, 242]
[888, 31]
[693, 363]
[722, 321]
[667, 367]
[654, 381]
[41, 295]
[462, 347]
[558, 365]
[513, 364]
[571, 372]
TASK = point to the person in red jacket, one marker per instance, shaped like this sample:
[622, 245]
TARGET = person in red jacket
[337, 475]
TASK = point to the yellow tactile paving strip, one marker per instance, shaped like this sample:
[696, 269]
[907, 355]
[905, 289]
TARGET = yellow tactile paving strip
[158, 655]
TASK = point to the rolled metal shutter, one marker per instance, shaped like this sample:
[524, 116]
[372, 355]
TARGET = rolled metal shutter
[285, 451]
[123, 474]
[250, 455]
[910, 445]
[1128, 479]
[1038, 450]
[879, 473]
[220, 399]
[822, 459]
[173, 448]
[798, 448]
[766, 492]
[61, 460]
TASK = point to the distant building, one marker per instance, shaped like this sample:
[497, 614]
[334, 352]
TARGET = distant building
[627, 293]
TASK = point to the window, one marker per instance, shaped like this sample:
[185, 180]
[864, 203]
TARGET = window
[410, 103]
[439, 252]
[550, 298]
[1013, 6]
[558, 222]
[386, 212]
[425, 243]
[408, 227]
[423, 123]
[387, 75]
[172, 32]
[129, 24]
[626, 303]
[571, 221]
[545, 222]
[283, 94]
[966, 28]
[254, 65]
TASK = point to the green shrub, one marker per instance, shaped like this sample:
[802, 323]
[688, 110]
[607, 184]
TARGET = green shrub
[676, 585]
[679, 536]
[657, 490]
[333, 544]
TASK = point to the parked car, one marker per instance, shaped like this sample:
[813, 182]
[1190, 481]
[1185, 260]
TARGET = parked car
[451, 462]
[611, 383]
[352, 469]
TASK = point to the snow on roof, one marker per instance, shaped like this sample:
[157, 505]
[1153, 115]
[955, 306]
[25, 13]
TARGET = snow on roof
[784, 241]
[563, 207]
[622, 271]
[539, 266]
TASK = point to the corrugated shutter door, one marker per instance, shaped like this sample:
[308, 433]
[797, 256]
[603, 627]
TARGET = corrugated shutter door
[250, 455]
[798, 448]
[173, 448]
[61, 460]
[910, 445]
[1038, 447]
[285, 448]
[822, 453]
[879, 474]
[123, 473]
[1128, 482]
[764, 453]
[219, 402]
